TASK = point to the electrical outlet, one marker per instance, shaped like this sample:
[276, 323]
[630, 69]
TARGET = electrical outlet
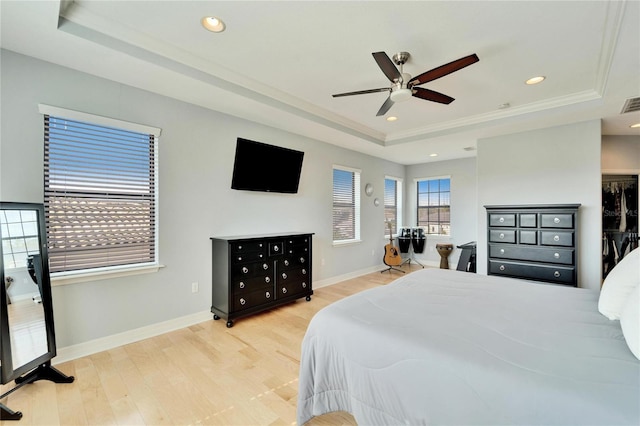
[194, 287]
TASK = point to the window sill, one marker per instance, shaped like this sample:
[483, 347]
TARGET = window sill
[80, 277]
[346, 242]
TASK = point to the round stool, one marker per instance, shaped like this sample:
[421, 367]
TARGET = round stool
[444, 250]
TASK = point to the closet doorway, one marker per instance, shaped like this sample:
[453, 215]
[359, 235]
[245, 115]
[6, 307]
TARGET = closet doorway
[619, 218]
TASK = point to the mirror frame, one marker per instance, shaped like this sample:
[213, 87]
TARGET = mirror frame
[7, 370]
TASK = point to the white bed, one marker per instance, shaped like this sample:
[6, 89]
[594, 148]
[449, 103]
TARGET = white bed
[448, 347]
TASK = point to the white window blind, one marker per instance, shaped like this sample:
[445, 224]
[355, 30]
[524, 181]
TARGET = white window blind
[100, 195]
[346, 204]
[391, 198]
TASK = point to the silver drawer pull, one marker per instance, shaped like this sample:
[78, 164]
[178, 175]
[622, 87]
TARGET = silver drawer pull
[501, 236]
[556, 238]
[302, 260]
[501, 220]
[242, 301]
[239, 258]
[501, 251]
[304, 272]
[556, 255]
[245, 269]
[304, 285]
[284, 276]
[276, 248]
[240, 247]
[265, 266]
[284, 289]
[267, 295]
[286, 263]
[241, 284]
[267, 279]
[502, 268]
[556, 274]
[556, 220]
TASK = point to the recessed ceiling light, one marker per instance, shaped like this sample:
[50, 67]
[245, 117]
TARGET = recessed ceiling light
[392, 118]
[535, 80]
[213, 24]
[433, 155]
[635, 126]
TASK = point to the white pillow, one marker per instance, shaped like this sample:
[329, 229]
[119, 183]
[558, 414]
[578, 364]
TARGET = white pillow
[619, 284]
[630, 322]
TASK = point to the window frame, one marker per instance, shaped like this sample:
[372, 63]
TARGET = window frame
[395, 226]
[105, 272]
[357, 202]
[439, 192]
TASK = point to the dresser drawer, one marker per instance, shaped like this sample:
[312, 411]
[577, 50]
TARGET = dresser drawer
[248, 270]
[528, 220]
[556, 238]
[249, 300]
[292, 288]
[502, 236]
[557, 274]
[532, 254]
[297, 261]
[498, 219]
[528, 237]
[556, 220]
[250, 256]
[247, 246]
[245, 285]
[295, 274]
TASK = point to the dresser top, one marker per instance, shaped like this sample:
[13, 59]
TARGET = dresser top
[261, 236]
[532, 206]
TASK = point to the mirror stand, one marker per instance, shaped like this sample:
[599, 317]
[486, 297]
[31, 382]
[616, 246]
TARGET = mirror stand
[27, 333]
[42, 372]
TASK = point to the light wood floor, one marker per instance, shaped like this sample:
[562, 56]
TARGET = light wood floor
[205, 374]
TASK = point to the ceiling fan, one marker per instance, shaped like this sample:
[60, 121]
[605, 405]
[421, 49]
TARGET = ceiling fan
[403, 86]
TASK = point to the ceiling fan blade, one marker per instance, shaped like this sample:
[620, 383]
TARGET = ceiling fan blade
[387, 66]
[362, 92]
[385, 107]
[443, 70]
[431, 95]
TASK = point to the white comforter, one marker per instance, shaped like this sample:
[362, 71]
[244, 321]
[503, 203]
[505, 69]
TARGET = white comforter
[448, 347]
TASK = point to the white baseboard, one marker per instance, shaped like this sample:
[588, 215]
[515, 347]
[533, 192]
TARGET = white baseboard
[69, 353]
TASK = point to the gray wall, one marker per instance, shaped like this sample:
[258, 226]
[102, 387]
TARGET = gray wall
[196, 151]
[621, 154]
[559, 165]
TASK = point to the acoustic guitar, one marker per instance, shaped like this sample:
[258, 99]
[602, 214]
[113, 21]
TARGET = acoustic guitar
[391, 255]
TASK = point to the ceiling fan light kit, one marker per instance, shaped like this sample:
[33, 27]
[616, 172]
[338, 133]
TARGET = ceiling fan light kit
[404, 87]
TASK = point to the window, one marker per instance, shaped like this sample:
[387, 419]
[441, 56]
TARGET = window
[393, 202]
[434, 205]
[346, 204]
[100, 192]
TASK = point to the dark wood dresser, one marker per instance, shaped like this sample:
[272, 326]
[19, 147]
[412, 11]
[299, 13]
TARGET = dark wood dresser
[254, 273]
[536, 242]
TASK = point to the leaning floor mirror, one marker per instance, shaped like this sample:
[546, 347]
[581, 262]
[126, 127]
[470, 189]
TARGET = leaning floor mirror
[27, 336]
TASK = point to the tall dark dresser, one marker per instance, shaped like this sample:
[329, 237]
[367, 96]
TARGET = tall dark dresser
[536, 242]
[254, 273]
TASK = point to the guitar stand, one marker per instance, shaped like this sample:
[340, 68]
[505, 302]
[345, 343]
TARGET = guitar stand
[42, 372]
[390, 268]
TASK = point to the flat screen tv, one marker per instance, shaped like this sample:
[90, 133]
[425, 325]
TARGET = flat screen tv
[268, 168]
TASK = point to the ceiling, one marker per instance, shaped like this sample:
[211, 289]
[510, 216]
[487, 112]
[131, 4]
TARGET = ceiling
[279, 62]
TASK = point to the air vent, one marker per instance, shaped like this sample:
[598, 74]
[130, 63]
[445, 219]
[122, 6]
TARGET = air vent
[631, 105]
